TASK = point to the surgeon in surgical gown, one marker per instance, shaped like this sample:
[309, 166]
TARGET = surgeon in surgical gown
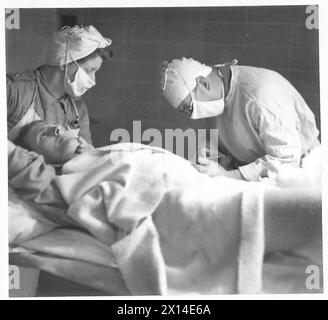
[261, 118]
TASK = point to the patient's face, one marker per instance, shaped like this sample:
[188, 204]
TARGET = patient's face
[53, 141]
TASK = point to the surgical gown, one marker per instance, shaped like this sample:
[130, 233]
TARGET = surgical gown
[265, 119]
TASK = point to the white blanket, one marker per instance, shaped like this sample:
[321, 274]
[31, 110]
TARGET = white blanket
[154, 225]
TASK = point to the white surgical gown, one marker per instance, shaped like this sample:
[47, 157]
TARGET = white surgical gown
[265, 119]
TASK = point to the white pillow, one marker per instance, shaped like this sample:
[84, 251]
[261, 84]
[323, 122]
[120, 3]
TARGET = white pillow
[24, 221]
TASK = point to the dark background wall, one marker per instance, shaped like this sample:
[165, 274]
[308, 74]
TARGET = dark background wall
[128, 86]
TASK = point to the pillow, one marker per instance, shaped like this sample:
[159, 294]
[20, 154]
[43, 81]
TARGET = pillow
[24, 220]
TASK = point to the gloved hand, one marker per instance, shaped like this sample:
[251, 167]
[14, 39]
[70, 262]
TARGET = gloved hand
[205, 157]
[212, 169]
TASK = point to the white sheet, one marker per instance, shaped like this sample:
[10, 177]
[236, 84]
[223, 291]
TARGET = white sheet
[156, 221]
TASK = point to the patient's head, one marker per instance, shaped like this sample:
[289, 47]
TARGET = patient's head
[53, 141]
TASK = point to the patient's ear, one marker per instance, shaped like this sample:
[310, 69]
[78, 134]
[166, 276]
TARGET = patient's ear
[203, 82]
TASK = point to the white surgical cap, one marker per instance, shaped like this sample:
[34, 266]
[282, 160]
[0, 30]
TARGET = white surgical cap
[74, 43]
[179, 78]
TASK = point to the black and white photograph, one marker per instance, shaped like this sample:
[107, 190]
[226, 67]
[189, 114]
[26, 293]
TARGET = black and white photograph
[164, 150]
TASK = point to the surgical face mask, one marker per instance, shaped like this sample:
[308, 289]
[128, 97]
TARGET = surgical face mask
[81, 83]
[207, 109]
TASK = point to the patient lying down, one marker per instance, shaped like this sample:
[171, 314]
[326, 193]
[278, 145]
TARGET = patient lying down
[53, 141]
[197, 232]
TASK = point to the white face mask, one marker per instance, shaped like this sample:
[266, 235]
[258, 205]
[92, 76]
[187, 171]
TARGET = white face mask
[207, 109]
[81, 83]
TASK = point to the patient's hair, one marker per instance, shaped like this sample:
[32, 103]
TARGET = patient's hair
[21, 139]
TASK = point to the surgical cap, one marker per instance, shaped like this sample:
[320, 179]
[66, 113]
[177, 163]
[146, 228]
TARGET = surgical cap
[179, 78]
[74, 43]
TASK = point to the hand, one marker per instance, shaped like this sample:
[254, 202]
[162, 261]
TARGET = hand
[202, 157]
[212, 169]
[222, 159]
[83, 146]
[225, 161]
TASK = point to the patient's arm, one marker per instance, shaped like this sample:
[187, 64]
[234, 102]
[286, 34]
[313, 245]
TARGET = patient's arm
[27, 169]
[31, 177]
[292, 218]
